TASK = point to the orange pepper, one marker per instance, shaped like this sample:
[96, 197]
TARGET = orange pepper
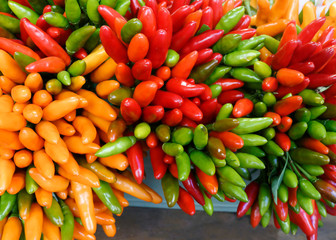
[10, 68]
[2, 225]
[262, 13]
[228, 6]
[34, 82]
[273, 28]
[105, 218]
[10, 140]
[71, 166]
[75, 145]
[62, 195]
[110, 230]
[104, 71]
[6, 153]
[84, 201]
[12, 229]
[71, 116]
[17, 183]
[48, 131]
[194, 17]
[183, 68]
[54, 184]
[59, 108]
[33, 113]
[138, 47]
[124, 75]
[86, 128]
[34, 222]
[95, 58]
[20, 93]
[97, 121]
[85, 176]
[163, 73]
[279, 9]
[44, 163]
[43, 197]
[18, 107]
[49, 230]
[97, 106]
[42, 98]
[6, 103]
[118, 161]
[104, 88]
[76, 83]
[30, 139]
[6, 84]
[66, 94]
[23, 158]
[293, 11]
[7, 169]
[81, 233]
[58, 152]
[12, 121]
[120, 196]
[64, 128]
[308, 14]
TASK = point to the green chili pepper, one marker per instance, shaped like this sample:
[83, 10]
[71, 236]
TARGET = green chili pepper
[208, 206]
[272, 148]
[203, 71]
[284, 225]
[218, 73]
[67, 228]
[73, 11]
[224, 112]
[183, 166]
[313, 170]
[225, 124]
[142, 130]
[256, 151]
[216, 90]
[230, 175]
[271, 43]
[321, 208]
[233, 190]
[312, 98]
[240, 58]
[38, 5]
[116, 147]
[57, 9]
[264, 198]
[163, 133]
[92, 11]
[330, 113]
[269, 99]
[56, 19]
[54, 86]
[132, 27]
[250, 125]
[64, 78]
[218, 162]
[306, 156]
[78, 38]
[308, 189]
[24, 201]
[249, 161]
[200, 139]
[227, 43]
[296, 209]
[93, 41]
[253, 140]
[268, 133]
[23, 60]
[122, 6]
[231, 158]
[216, 148]
[297, 130]
[262, 69]
[31, 185]
[82, 4]
[245, 75]
[290, 179]
[330, 138]
[219, 196]
[230, 20]
[251, 43]
[303, 115]
[266, 218]
[9, 23]
[305, 202]
[203, 162]
[77, 68]
[283, 193]
[244, 173]
[172, 149]
[260, 108]
[106, 195]
[172, 58]
[330, 125]
[317, 111]
[273, 161]
[23, 12]
[4, 6]
[259, 46]
[183, 136]
[202, 29]
[316, 130]
[7, 202]
[170, 187]
[54, 213]
[120, 94]
[110, 3]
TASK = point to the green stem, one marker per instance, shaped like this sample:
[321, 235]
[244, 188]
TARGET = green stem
[310, 177]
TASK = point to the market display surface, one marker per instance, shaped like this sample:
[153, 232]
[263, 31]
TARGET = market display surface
[211, 90]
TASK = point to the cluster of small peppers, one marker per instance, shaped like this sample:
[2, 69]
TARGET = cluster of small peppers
[298, 185]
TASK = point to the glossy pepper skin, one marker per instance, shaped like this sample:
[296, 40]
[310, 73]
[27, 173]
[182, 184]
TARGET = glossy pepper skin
[170, 188]
[252, 192]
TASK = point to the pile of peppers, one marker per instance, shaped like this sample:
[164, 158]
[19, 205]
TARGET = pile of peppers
[208, 98]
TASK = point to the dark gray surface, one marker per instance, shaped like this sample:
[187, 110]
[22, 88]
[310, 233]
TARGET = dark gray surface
[163, 224]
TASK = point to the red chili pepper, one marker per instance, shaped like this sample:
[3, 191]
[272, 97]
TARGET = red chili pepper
[252, 190]
[176, 5]
[24, 3]
[330, 92]
[230, 200]
[151, 114]
[167, 99]
[164, 21]
[269, 84]
[322, 58]
[331, 211]
[159, 82]
[173, 170]
[230, 96]
[183, 68]
[204, 40]
[307, 34]
[292, 199]
[186, 122]
[135, 159]
[112, 45]
[242, 108]
[135, 7]
[321, 80]
[203, 56]
[153, 5]
[80, 54]
[142, 69]
[283, 141]
[238, 3]
[186, 202]
[109, 15]
[197, 4]
[48, 64]
[124, 75]
[207, 93]
[152, 140]
[44, 42]
[183, 88]
[302, 219]
[215, 56]
[330, 43]
[284, 55]
[216, 5]
[275, 220]
[327, 35]
[255, 216]
[303, 67]
[11, 47]
[207, 17]
[156, 157]
[168, 159]
[288, 105]
[182, 37]
[178, 17]
[314, 145]
[191, 186]
[197, 101]
[210, 183]
[229, 84]
[304, 51]
[329, 173]
[130, 110]
[282, 91]
[209, 109]
[144, 93]
[330, 68]
[243, 23]
[285, 124]
[330, 167]
[172, 117]
[229, 139]
[290, 33]
[281, 209]
[246, 33]
[190, 110]
[314, 220]
[147, 17]
[276, 118]
[46, 9]
[158, 48]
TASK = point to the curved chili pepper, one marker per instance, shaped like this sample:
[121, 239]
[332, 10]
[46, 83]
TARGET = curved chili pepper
[284, 55]
[190, 110]
[109, 15]
[327, 35]
[12, 47]
[321, 58]
[135, 7]
[203, 56]
[302, 219]
[252, 191]
[183, 88]
[307, 34]
[164, 21]
[147, 17]
[186, 202]
[47, 45]
[130, 110]
[178, 17]
[243, 23]
[255, 216]
[135, 159]
[304, 51]
[48, 64]
[246, 33]
[167, 99]
[151, 114]
[207, 17]
[158, 164]
[182, 37]
[191, 186]
[217, 8]
[281, 209]
[158, 48]
[283, 91]
[229, 84]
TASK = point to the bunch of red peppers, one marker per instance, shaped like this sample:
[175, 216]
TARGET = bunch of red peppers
[198, 90]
